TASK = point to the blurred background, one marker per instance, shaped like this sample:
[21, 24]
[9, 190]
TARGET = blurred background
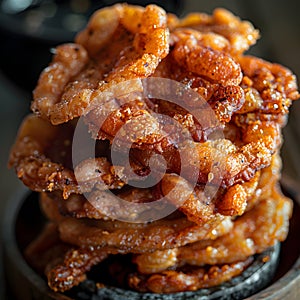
[30, 28]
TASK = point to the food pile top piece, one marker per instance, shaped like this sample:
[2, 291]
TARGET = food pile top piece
[186, 130]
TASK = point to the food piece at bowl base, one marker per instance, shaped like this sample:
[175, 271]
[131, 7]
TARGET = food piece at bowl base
[155, 146]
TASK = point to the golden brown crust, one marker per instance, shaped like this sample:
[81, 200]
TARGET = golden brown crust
[178, 281]
[255, 231]
[42, 168]
[140, 52]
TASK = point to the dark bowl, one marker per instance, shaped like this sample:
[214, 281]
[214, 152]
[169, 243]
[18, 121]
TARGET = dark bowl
[262, 280]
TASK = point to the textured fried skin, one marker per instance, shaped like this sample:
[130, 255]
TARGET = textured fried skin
[137, 238]
[228, 162]
[42, 170]
[274, 211]
[72, 271]
[200, 208]
[68, 61]
[275, 83]
[240, 34]
[255, 231]
[100, 29]
[177, 281]
[140, 52]
[99, 205]
[212, 64]
[76, 262]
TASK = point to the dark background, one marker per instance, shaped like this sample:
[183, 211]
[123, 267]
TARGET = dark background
[26, 38]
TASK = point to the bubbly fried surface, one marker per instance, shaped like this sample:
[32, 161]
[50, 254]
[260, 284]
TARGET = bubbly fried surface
[162, 234]
[142, 43]
[260, 228]
[76, 263]
[197, 278]
[42, 160]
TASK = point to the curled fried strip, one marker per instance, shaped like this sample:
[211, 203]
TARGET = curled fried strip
[220, 161]
[201, 207]
[237, 164]
[32, 159]
[236, 198]
[145, 48]
[268, 180]
[100, 29]
[213, 65]
[276, 84]
[206, 39]
[99, 205]
[151, 40]
[137, 238]
[254, 232]
[192, 202]
[77, 261]
[240, 34]
[132, 123]
[100, 174]
[177, 281]
[68, 61]
[226, 101]
[72, 271]
[160, 260]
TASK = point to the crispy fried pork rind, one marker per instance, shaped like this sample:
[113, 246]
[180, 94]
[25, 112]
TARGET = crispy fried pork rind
[237, 35]
[162, 234]
[42, 160]
[209, 148]
[171, 281]
[261, 227]
[141, 41]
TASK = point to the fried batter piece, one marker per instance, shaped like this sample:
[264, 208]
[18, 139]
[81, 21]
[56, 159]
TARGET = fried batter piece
[160, 260]
[194, 203]
[201, 208]
[276, 84]
[85, 257]
[43, 168]
[148, 45]
[158, 235]
[69, 61]
[203, 61]
[76, 263]
[100, 205]
[220, 161]
[255, 231]
[252, 233]
[178, 281]
[240, 34]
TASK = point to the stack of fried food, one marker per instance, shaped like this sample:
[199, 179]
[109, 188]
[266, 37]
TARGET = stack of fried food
[205, 240]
